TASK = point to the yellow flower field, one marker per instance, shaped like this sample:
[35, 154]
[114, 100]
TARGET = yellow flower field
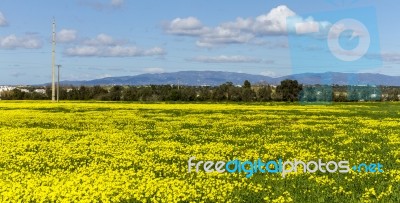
[133, 152]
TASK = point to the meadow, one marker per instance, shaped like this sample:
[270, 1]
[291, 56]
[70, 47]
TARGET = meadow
[134, 152]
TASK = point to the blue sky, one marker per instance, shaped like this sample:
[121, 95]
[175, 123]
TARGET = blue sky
[102, 38]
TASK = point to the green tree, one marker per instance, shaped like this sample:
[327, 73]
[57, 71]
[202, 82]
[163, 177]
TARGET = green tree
[98, 92]
[246, 84]
[116, 93]
[289, 90]
[265, 93]
[83, 93]
[130, 94]
[17, 94]
[248, 95]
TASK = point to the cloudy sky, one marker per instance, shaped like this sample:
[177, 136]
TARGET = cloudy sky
[102, 38]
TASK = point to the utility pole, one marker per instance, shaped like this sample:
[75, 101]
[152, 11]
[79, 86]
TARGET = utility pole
[53, 87]
[58, 83]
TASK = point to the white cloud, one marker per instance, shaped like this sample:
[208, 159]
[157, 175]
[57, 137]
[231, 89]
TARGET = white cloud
[154, 70]
[101, 40]
[106, 46]
[3, 20]
[225, 59]
[243, 30]
[117, 3]
[66, 35]
[391, 57]
[222, 35]
[190, 26]
[209, 37]
[274, 22]
[386, 57]
[82, 51]
[112, 51]
[14, 42]
[309, 26]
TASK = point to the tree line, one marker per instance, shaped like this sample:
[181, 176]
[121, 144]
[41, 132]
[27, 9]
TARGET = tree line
[287, 90]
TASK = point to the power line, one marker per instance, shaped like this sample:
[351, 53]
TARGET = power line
[58, 83]
[53, 62]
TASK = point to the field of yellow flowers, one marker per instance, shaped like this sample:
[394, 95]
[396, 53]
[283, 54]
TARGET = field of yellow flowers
[133, 152]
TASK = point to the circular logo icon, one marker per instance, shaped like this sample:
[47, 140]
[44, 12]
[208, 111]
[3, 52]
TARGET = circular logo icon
[358, 30]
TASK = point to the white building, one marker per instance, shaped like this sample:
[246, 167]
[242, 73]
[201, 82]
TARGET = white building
[6, 88]
[41, 91]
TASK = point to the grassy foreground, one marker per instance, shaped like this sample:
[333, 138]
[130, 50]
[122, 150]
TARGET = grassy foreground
[124, 152]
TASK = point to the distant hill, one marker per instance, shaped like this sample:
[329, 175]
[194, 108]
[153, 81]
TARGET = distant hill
[213, 78]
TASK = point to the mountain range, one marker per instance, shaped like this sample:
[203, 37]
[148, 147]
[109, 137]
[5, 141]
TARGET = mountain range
[213, 78]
